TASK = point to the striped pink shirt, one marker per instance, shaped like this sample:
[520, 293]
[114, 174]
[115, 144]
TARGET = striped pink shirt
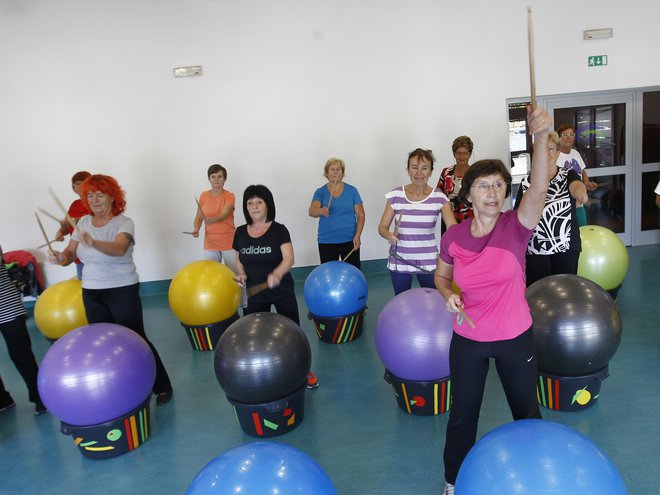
[417, 249]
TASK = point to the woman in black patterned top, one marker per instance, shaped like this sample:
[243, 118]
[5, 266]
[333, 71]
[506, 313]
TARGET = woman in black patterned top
[555, 245]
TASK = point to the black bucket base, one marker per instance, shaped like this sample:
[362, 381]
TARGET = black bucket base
[205, 337]
[113, 438]
[421, 398]
[339, 330]
[569, 393]
[271, 419]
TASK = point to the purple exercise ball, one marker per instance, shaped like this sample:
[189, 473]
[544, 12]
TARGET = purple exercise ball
[96, 373]
[413, 333]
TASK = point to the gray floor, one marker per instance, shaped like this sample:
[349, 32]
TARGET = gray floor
[352, 427]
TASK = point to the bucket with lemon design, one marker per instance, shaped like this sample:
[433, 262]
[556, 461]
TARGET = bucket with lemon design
[569, 393]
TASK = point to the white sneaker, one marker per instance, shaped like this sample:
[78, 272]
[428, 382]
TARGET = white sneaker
[449, 489]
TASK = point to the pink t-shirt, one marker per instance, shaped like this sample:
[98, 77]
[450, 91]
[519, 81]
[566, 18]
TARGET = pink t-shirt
[490, 271]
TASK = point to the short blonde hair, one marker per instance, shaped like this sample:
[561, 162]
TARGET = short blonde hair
[553, 137]
[331, 162]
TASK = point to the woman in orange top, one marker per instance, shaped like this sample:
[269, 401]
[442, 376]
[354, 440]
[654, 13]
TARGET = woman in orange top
[216, 212]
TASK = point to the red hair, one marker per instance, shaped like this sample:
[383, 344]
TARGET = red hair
[107, 185]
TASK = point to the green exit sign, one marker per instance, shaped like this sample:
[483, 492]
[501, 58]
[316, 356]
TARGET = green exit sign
[597, 60]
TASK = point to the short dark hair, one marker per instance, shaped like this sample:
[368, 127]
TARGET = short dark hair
[215, 168]
[462, 142]
[419, 152]
[564, 127]
[261, 192]
[79, 176]
[484, 168]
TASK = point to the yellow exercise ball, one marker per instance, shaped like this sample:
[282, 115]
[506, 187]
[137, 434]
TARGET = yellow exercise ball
[204, 292]
[604, 257]
[59, 309]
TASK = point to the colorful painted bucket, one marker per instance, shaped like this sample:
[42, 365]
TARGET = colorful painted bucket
[569, 393]
[426, 398]
[273, 418]
[113, 438]
[205, 337]
[339, 330]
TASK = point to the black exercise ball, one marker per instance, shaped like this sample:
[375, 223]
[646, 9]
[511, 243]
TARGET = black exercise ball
[261, 358]
[577, 327]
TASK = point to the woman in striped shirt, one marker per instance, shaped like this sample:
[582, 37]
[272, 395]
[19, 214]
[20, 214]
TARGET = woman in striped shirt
[15, 333]
[414, 208]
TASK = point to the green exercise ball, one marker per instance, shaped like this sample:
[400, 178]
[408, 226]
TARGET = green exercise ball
[604, 258]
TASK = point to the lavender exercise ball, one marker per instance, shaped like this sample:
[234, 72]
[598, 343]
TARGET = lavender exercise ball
[413, 333]
[96, 373]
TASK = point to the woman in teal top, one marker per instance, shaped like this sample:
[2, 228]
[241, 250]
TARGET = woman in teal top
[338, 207]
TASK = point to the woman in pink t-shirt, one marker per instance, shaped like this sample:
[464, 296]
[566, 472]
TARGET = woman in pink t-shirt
[485, 255]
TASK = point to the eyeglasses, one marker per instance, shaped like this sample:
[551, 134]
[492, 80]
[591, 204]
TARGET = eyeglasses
[483, 187]
[567, 134]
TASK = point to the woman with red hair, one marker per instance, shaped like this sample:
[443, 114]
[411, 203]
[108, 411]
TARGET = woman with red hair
[104, 242]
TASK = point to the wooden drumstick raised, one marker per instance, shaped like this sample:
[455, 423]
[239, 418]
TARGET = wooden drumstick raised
[43, 231]
[530, 48]
[332, 193]
[66, 213]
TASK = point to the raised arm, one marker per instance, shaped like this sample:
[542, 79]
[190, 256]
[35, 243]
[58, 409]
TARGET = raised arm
[532, 203]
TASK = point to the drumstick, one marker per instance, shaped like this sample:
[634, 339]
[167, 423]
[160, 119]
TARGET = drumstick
[66, 214]
[40, 246]
[349, 254]
[41, 227]
[256, 289]
[332, 193]
[465, 316]
[530, 47]
[397, 222]
[189, 233]
[50, 215]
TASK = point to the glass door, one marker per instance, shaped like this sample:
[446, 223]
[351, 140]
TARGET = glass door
[603, 131]
[646, 214]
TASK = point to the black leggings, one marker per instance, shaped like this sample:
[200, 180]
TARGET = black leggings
[122, 305]
[286, 305]
[539, 266]
[337, 252]
[515, 361]
[19, 347]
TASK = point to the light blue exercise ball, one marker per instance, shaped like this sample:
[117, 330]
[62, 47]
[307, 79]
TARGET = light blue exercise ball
[262, 468]
[537, 457]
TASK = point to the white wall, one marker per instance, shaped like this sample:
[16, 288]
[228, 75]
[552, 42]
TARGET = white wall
[87, 84]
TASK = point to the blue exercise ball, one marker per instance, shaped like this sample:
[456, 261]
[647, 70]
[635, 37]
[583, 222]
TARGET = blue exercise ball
[96, 373]
[261, 358]
[262, 468]
[537, 457]
[413, 334]
[577, 326]
[335, 289]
